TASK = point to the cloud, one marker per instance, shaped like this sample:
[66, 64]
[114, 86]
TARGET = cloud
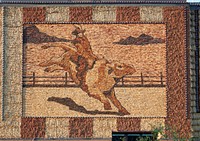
[143, 39]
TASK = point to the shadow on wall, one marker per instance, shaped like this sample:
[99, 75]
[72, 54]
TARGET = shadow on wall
[75, 107]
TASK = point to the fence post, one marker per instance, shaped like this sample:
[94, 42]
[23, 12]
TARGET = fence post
[65, 78]
[161, 78]
[33, 78]
[142, 81]
[122, 81]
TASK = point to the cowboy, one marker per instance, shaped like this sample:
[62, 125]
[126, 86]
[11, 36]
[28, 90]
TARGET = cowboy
[85, 58]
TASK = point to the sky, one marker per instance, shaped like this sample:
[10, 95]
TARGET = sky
[193, 0]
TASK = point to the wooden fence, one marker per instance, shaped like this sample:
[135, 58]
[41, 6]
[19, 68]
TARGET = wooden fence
[65, 81]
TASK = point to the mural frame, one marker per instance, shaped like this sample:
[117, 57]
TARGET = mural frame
[180, 117]
[49, 23]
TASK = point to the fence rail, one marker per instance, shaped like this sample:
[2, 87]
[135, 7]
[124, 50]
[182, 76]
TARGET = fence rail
[65, 81]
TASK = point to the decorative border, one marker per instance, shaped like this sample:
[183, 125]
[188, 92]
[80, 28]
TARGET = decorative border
[98, 2]
[94, 23]
[179, 118]
[4, 60]
[3, 64]
[187, 52]
[22, 70]
[74, 130]
[187, 72]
